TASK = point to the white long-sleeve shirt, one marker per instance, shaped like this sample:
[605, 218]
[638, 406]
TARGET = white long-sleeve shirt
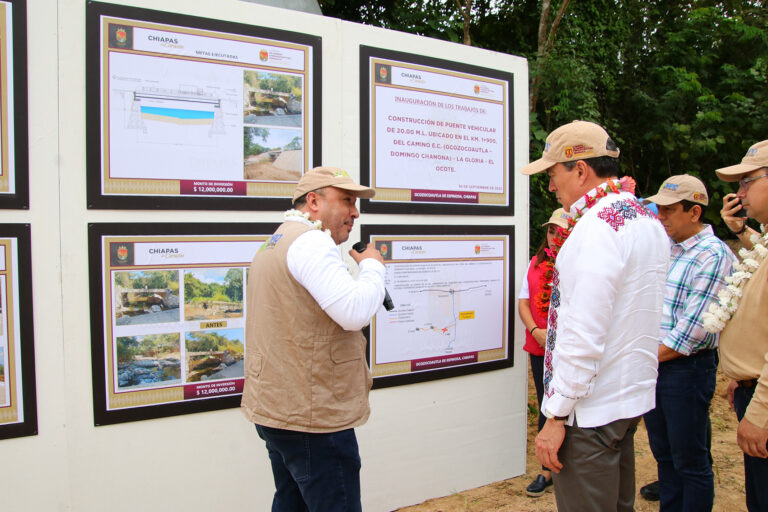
[605, 314]
[315, 262]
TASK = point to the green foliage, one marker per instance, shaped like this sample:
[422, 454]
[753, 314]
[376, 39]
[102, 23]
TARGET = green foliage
[234, 284]
[154, 345]
[294, 144]
[230, 290]
[155, 279]
[681, 87]
[203, 341]
[250, 135]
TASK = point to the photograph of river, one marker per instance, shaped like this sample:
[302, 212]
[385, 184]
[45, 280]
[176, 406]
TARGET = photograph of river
[148, 361]
[146, 297]
[212, 355]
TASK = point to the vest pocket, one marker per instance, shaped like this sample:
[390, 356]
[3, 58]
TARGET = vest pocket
[253, 370]
[348, 374]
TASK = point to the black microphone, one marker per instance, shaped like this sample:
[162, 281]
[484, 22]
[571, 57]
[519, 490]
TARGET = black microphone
[388, 304]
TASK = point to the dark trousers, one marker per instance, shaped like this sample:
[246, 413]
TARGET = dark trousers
[598, 472]
[537, 372]
[314, 472]
[677, 432]
[755, 468]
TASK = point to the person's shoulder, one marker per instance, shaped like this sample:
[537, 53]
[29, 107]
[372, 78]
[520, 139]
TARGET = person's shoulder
[313, 243]
[622, 211]
[711, 244]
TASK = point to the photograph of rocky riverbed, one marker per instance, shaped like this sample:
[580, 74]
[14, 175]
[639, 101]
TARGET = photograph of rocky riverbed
[149, 360]
[212, 355]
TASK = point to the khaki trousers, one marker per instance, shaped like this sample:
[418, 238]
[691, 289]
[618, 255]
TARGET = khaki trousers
[598, 472]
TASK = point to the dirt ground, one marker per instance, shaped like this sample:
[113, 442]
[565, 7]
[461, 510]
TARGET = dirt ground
[509, 495]
[286, 167]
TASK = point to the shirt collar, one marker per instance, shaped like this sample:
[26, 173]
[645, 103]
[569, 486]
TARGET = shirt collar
[580, 204]
[691, 242]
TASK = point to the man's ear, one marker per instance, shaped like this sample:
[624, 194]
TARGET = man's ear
[313, 201]
[700, 210]
[583, 171]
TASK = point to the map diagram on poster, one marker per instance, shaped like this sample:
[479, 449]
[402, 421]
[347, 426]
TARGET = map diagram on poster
[451, 303]
[442, 308]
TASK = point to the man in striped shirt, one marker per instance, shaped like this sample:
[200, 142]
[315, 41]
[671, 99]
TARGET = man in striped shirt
[677, 427]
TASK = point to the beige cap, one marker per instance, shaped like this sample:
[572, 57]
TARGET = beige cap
[321, 177]
[578, 140]
[678, 188]
[560, 218]
[756, 157]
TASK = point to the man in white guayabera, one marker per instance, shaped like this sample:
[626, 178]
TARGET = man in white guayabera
[741, 315]
[603, 326]
[306, 377]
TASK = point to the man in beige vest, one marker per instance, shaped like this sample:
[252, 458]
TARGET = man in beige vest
[306, 377]
[744, 341]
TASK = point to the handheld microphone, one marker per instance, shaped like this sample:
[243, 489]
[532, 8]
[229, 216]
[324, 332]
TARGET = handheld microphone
[388, 304]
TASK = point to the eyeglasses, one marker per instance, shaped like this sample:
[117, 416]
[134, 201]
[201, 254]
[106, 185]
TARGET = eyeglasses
[744, 182]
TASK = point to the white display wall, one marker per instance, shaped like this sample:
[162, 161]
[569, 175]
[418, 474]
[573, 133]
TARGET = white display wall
[422, 440]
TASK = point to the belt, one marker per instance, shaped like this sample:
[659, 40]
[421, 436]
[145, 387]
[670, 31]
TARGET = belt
[747, 383]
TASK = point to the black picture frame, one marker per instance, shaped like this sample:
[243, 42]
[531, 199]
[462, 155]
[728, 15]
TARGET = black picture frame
[19, 199]
[408, 207]
[101, 413]
[380, 230]
[27, 427]
[94, 134]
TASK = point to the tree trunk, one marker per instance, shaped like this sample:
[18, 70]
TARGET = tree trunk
[546, 41]
[466, 11]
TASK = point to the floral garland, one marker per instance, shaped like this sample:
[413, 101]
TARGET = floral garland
[541, 301]
[297, 215]
[718, 315]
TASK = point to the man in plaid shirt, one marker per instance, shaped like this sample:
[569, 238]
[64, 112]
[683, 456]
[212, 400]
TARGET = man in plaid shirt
[677, 427]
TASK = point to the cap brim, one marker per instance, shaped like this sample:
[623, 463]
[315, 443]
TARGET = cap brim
[540, 165]
[359, 190]
[555, 224]
[734, 172]
[662, 200]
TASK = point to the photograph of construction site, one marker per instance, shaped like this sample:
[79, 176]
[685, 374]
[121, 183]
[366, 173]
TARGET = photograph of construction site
[273, 148]
[146, 297]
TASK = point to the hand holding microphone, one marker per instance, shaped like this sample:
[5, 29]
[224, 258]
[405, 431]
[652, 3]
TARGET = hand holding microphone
[369, 251]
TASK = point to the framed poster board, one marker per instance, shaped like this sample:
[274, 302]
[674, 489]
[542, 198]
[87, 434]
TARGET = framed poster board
[195, 113]
[168, 317]
[435, 135]
[14, 153]
[18, 407]
[450, 286]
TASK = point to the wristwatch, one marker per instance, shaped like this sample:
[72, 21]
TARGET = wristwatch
[553, 417]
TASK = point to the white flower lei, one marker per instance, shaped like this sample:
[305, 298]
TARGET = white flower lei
[296, 214]
[728, 298]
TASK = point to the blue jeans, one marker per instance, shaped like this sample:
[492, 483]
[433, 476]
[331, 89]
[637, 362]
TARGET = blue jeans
[677, 432]
[313, 472]
[755, 468]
